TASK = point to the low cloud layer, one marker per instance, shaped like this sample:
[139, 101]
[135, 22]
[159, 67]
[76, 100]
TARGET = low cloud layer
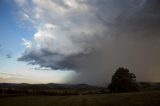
[94, 37]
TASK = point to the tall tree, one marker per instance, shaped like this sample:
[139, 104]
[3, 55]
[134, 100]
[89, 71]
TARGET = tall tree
[123, 81]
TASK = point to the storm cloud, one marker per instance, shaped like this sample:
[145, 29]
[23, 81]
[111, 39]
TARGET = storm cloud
[94, 37]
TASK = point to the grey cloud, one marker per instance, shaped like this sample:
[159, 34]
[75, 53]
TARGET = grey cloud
[110, 34]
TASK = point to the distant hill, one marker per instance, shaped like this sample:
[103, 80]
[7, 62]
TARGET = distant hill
[150, 85]
[48, 86]
[49, 89]
[10, 89]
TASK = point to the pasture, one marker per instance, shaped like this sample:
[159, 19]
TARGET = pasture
[149, 98]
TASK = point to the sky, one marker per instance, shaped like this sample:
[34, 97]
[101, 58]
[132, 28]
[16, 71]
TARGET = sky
[78, 41]
[13, 31]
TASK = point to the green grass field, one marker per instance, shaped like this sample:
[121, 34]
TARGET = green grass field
[151, 98]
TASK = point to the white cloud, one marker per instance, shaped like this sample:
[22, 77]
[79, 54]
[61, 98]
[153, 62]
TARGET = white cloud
[27, 43]
[61, 27]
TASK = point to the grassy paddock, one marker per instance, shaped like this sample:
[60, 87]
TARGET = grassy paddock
[151, 98]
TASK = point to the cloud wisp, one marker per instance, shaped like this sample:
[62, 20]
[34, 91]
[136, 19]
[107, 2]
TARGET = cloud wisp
[94, 37]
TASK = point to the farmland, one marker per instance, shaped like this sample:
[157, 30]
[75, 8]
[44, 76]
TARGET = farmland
[148, 98]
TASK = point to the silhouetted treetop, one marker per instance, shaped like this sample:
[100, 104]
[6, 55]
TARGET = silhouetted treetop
[123, 81]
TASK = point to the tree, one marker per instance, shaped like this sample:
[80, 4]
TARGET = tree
[123, 81]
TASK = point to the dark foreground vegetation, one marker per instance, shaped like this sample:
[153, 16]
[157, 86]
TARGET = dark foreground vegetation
[148, 98]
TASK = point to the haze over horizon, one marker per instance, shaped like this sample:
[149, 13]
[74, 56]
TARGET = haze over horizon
[78, 41]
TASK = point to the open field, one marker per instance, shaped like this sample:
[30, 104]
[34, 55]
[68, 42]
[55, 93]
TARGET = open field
[151, 98]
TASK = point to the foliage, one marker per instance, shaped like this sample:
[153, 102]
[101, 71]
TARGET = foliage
[123, 81]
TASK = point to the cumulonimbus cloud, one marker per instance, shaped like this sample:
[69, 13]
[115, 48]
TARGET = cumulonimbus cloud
[66, 28]
[94, 36]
